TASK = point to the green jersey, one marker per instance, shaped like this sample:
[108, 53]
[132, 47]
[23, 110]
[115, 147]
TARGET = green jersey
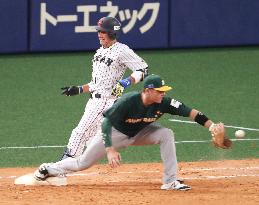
[129, 115]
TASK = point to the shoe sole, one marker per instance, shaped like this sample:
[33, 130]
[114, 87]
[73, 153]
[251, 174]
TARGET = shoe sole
[29, 179]
[184, 189]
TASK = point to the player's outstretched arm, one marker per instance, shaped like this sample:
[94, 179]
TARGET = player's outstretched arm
[200, 118]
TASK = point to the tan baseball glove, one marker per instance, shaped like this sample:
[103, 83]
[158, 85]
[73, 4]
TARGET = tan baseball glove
[219, 138]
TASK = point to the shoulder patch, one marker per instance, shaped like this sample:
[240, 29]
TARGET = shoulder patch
[175, 103]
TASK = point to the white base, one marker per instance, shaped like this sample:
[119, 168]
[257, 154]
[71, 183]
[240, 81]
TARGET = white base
[29, 179]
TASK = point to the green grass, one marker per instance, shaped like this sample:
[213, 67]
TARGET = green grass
[222, 83]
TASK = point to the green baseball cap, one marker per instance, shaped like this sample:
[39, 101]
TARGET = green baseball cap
[155, 82]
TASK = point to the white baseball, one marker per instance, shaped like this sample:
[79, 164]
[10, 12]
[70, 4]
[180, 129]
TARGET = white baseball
[240, 133]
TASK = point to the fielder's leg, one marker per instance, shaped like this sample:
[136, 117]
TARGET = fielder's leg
[155, 134]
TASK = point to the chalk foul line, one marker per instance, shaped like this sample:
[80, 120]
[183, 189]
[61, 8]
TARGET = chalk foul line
[205, 177]
[230, 126]
[176, 142]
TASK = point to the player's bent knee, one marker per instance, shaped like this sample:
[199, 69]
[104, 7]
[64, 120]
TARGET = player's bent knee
[167, 134]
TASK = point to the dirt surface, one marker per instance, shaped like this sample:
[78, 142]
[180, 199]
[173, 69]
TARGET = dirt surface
[213, 182]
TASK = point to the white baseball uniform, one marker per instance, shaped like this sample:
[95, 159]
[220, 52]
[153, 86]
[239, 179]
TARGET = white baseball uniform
[109, 66]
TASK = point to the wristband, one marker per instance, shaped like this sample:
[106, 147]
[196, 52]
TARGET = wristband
[201, 118]
[81, 89]
[125, 82]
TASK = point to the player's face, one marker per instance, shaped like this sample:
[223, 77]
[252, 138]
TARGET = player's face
[104, 39]
[156, 96]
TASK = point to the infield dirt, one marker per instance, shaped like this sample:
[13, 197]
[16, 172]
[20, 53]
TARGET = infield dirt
[213, 182]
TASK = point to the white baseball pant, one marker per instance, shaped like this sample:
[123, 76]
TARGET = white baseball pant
[88, 125]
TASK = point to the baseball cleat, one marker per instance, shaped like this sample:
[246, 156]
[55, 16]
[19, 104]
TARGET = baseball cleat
[175, 185]
[180, 181]
[41, 173]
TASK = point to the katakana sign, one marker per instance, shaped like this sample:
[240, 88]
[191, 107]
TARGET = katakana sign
[132, 16]
[63, 24]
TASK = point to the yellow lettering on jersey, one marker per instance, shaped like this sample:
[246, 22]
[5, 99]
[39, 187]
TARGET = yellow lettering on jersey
[133, 121]
[149, 119]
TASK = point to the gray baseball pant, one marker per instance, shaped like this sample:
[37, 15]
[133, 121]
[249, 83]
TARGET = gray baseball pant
[152, 134]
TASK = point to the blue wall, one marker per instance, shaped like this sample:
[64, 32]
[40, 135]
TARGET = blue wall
[61, 25]
[13, 26]
[214, 23]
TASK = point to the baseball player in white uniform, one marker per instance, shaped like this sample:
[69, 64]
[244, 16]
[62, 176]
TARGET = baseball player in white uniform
[109, 64]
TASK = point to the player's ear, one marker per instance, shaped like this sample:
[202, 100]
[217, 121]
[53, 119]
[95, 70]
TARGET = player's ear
[147, 90]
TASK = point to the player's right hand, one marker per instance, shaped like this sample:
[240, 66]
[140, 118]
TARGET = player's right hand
[113, 157]
[71, 90]
[117, 90]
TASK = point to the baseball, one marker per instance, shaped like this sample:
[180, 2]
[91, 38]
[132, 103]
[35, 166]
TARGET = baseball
[240, 133]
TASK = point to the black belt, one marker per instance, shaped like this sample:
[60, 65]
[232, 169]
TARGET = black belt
[96, 95]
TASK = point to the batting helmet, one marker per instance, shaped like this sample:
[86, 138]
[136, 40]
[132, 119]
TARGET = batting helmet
[110, 25]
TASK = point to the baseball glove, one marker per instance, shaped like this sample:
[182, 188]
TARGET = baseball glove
[219, 138]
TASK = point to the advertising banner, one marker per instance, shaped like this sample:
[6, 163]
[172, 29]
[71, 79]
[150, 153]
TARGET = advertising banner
[70, 25]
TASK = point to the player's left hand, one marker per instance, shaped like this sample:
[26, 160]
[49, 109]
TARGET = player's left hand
[219, 138]
[118, 90]
[71, 90]
[113, 157]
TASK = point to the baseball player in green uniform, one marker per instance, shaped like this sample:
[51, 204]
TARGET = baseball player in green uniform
[131, 122]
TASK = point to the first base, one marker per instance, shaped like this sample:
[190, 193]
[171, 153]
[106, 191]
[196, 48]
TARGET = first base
[29, 179]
